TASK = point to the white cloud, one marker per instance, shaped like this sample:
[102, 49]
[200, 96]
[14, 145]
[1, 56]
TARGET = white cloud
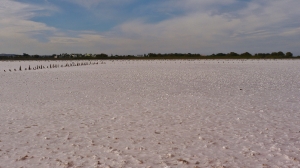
[241, 30]
[95, 3]
[16, 26]
[15, 18]
[14, 9]
[259, 27]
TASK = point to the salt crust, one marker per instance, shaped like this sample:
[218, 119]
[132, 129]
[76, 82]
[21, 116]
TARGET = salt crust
[194, 113]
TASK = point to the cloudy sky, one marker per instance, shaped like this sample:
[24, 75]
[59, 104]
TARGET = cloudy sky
[144, 26]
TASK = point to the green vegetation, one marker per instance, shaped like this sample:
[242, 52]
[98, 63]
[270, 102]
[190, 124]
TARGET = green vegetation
[231, 55]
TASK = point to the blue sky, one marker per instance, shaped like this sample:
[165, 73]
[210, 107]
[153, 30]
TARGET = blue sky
[143, 26]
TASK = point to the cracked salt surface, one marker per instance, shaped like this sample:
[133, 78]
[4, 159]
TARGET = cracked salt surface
[197, 113]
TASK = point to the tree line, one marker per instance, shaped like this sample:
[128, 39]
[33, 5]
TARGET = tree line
[231, 55]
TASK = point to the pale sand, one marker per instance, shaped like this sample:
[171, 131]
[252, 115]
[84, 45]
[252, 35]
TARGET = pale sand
[151, 114]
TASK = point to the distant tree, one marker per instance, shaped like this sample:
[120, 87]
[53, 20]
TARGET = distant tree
[246, 54]
[102, 55]
[220, 54]
[232, 54]
[151, 55]
[280, 54]
[264, 55]
[274, 54]
[26, 55]
[289, 54]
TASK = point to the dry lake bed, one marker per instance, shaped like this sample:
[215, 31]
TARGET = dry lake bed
[150, 113]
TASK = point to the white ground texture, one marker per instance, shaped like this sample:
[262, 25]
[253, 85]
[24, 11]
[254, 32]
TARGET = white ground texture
[155, 114]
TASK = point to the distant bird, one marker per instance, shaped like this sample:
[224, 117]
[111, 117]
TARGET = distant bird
[4, 71]
[9, 70]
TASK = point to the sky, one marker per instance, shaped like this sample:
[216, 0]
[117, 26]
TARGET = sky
[149, 26]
